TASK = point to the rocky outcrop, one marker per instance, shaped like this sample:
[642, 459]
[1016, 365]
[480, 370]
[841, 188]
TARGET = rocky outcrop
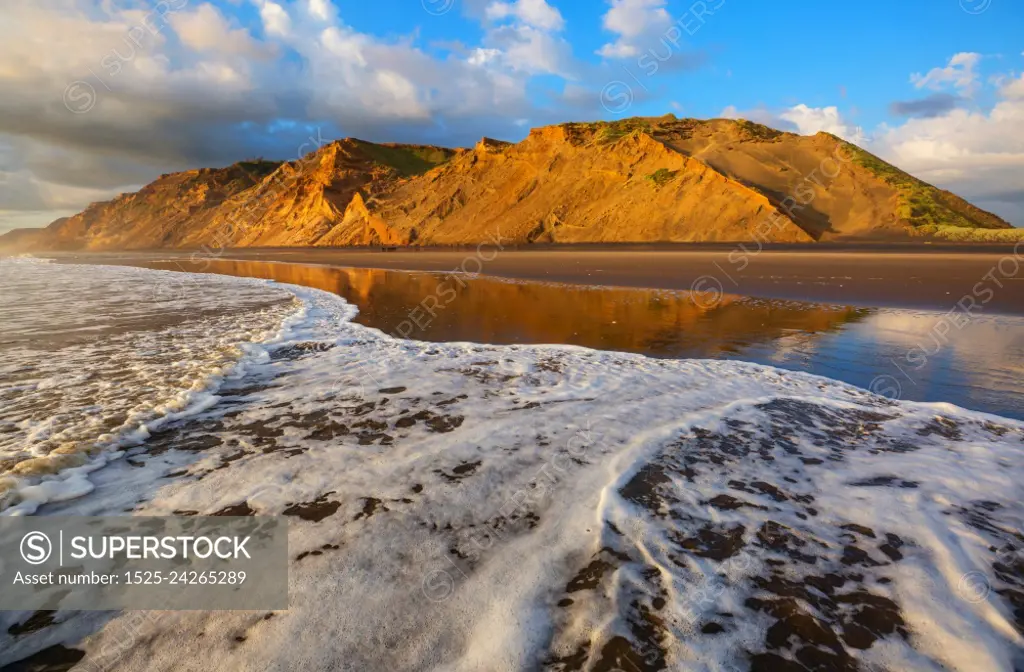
[320, 198]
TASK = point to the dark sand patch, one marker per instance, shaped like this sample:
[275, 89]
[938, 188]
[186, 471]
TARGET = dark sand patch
[56, 658]
[314, 511]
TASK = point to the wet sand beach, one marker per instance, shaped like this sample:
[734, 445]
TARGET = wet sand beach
[448, 501]
[970, 279]
[919, 354]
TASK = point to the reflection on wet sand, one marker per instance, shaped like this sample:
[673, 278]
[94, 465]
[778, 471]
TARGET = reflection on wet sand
[894, 352]
[435, 307]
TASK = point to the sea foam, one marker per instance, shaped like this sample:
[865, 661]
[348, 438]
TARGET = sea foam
[460, 506]
[94, 359]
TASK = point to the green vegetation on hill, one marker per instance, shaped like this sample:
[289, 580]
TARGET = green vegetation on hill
[612, 131]
[229, 180]
[258, 167]
[639, 179]
[252, 172]
[959, 234]
[758, 131]
[607, 132]
[926, 208]
[407, 160]
[662, 176]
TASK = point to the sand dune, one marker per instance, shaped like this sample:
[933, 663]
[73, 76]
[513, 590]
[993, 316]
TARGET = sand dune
[637, 180]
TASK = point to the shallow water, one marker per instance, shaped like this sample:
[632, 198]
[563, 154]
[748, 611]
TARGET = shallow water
[975, 362]
[458, 506]
[93, 358]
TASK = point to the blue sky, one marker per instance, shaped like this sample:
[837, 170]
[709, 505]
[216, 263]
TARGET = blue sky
[933, 85]
[856, 55]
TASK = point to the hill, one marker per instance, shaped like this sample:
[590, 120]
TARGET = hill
[637, 180]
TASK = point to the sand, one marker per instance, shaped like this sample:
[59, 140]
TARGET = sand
[977, 280]
[469, 507]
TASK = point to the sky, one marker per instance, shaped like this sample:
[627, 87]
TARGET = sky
[99, 97]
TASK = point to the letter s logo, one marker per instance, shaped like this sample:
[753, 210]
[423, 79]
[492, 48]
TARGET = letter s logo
[36, 548]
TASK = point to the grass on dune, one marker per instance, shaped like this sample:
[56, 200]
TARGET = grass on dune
[407, 160]
[928, 209]
[961, 234]
[758, 131]
[662, 176]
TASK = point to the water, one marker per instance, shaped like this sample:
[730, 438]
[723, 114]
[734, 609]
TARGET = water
[908, 354]
[97, 358]
[466, 506]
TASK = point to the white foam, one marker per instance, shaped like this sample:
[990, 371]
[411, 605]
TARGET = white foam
[98, 358]
[465, 573]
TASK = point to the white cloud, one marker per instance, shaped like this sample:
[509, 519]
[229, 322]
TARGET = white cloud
[960, 73]
[522, 35]
[618, 49]
[192, 94]
[532, 51]
[276, 21]
[811, 120]
[801, 119]
[37, 42]
[1012, 89]
[481, 56]
[535, 13]
[976, 153]
[635, 22]
[346, 45]
[206, 30]
[322, 9]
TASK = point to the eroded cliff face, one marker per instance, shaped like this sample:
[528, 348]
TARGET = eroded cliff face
[568, 184]
[636, 180]
[319, 198]
[162, 214]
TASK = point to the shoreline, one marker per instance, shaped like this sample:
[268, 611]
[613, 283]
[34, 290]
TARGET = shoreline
[876, 246]
[388, 454]
[936, 278]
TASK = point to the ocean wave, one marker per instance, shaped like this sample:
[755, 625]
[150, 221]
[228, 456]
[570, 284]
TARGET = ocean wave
[96, 358]
[462, 507]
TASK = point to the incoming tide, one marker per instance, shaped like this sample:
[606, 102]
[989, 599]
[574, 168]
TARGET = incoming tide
[470, 506]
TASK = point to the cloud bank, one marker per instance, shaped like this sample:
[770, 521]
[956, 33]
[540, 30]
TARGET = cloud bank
[97, 97]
